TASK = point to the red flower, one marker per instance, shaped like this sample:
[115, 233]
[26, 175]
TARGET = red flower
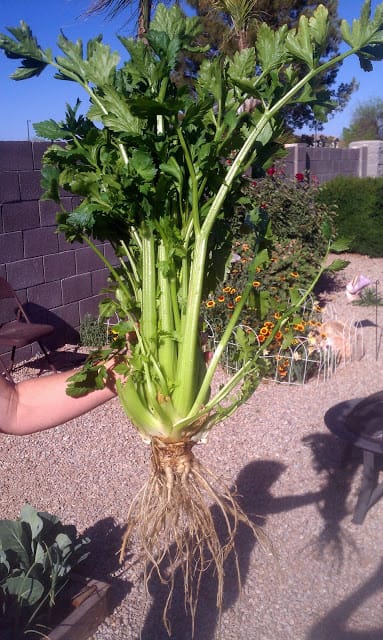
[300, 177]
[270, 171]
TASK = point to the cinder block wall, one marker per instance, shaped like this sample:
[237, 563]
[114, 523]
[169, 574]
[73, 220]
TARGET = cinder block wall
[361, 159]
[323, 163]
[60, 282]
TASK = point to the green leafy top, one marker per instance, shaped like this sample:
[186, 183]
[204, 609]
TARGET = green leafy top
[159, 169]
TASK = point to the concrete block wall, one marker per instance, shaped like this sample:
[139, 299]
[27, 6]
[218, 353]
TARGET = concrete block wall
[361, 159]
[58, 282]
[372, 151]
[323, 163]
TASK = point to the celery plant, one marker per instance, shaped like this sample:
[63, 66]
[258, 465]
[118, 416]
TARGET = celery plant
[150, 163]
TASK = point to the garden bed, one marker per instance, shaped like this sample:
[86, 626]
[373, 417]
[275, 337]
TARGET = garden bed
[87, 609]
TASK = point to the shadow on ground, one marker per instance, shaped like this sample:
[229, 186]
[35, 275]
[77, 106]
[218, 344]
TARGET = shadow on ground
[253, 485]
[103, 560]
[335, 624]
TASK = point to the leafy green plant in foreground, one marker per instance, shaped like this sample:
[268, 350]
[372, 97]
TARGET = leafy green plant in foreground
[148, 160]
[37, 554]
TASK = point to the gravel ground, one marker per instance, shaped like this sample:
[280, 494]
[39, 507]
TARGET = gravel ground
[325, 581]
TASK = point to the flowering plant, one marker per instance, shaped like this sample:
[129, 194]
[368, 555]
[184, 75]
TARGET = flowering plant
[273, 285]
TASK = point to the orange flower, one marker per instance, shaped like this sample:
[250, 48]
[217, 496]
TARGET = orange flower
[277, 315]
[210, 304]
[256, 284]
[226, 289]
[268, 324]
[221, 299]
[237, 298]
[279, 335]
[299, 326]
[233, 290]
[294, 274]
[230, 305]
[264, 331]
[261, 338]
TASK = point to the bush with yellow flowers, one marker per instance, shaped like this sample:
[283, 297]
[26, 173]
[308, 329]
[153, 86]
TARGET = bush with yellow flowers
[287, 205]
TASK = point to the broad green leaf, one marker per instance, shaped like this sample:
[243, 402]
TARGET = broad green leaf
[299, 43]
[116, 114]
[48, 129]
[209, 79]
[346, 32]
[165, 47]
[243, 64]
[72, 65]
[50, 179]
[295, 296]
[40, 554]
[4, 565]
[30, 515]
[271, 48]
[29, 69]
[172, 22]
[262, 303]
[26, 589]
[25, 47]
[327, 230]
[172, 168]
[319, 25]
[14, 537]
[82, 218]
[143, 164]
[64, 543]
[337, 265]
[340, 245]
[101, 64]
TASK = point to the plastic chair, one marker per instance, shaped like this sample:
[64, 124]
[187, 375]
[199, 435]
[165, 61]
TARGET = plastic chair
[21, 331]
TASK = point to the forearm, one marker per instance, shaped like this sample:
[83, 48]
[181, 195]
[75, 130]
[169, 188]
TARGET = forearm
[41, 403]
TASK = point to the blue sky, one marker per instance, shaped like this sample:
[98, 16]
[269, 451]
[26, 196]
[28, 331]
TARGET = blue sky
[23, 103]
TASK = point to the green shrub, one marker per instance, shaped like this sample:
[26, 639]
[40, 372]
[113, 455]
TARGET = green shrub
[359, 217]
[37, 554]
[295, 211]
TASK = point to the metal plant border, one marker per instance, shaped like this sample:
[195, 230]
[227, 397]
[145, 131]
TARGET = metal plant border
[305, 359]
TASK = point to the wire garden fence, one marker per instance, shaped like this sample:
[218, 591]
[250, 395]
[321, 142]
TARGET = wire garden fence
[331, 344]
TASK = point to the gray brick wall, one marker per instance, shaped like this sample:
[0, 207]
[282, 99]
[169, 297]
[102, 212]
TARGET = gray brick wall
[360, 160]
[59, 282]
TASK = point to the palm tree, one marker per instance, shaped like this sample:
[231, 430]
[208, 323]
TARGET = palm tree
[114, 7]
[240, 13]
